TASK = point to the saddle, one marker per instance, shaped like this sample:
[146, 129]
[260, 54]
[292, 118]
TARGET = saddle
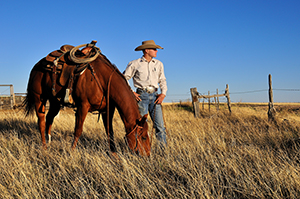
[59, 62]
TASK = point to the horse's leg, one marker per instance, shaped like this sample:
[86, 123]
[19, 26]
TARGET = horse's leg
[40, 113]
[80, 117]
[53, 111]
[112, 145]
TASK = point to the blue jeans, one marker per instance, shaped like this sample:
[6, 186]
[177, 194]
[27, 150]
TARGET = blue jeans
[147, 104]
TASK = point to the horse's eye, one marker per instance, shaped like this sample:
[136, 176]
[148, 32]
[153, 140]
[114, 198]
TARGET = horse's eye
[144, 138]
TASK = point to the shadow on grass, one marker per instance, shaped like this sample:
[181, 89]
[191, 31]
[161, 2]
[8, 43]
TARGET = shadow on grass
[28, 132]
[19, 127]
[186, 107]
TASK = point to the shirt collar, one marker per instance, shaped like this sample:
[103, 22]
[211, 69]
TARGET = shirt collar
[144, 60]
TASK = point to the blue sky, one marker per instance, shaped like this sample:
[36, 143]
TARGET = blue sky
[207, 43]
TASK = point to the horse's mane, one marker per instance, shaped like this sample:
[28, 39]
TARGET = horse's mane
[113, 66]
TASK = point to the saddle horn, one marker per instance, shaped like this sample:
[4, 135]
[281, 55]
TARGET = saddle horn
[86, 60]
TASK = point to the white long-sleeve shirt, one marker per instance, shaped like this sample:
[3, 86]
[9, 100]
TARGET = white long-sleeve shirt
[146, 73]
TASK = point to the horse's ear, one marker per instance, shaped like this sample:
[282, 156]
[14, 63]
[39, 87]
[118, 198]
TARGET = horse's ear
[142, 120]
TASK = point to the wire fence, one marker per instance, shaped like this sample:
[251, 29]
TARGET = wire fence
[187, 96]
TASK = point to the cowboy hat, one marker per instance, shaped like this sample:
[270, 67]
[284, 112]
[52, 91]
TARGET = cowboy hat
[148, 44]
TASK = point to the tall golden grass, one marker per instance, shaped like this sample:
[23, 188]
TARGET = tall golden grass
[218, 155]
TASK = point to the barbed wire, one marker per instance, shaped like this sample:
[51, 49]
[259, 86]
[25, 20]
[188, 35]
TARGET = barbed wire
[238, 92]
[283, 89]
[243, 92]
[263, 90]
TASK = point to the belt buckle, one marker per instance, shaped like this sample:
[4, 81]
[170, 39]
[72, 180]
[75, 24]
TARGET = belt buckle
[150, 89]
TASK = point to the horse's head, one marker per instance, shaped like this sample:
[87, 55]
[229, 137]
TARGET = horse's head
[138, 139]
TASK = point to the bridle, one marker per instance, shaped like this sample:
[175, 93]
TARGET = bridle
[136, 135]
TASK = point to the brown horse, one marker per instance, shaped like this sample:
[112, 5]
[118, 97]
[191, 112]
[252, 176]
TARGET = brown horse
[99, 87]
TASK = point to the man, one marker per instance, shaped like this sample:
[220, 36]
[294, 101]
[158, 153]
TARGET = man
[148, 75]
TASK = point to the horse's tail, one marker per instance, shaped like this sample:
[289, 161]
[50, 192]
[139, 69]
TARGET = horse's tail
[28, 102]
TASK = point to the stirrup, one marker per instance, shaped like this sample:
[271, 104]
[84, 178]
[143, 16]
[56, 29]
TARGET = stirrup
[68, 98]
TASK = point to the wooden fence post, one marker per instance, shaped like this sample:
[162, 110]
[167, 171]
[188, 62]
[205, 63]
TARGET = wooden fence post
[12, 97]
[218, 102]
[195, 101]
[208, 101]
[271, 111]
[228, 98]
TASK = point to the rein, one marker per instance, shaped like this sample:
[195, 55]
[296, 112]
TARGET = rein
[107, 98]
[153, 128]
[98, 83]
[107, 104]
[136, 135]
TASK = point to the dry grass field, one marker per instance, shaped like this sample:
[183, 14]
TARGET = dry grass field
[218, 155]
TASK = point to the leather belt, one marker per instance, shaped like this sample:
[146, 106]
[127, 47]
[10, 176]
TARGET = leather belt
[149, 89]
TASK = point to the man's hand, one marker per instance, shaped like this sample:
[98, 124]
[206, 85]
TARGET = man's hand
[160, 98]
[137, 96]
